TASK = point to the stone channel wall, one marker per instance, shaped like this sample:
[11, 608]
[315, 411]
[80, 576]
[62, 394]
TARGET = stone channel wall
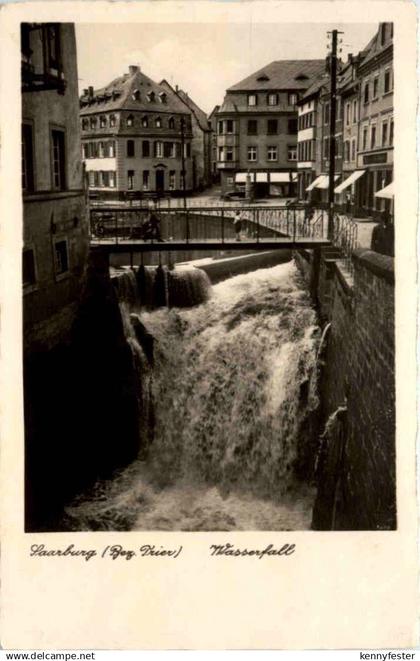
[356, 462]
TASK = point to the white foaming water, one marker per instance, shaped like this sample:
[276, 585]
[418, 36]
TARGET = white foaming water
[233, 383]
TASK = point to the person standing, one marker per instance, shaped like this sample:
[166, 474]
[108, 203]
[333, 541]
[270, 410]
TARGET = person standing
[237, 224]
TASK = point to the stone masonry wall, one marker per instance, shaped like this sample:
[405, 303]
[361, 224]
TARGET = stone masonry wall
[357, 463]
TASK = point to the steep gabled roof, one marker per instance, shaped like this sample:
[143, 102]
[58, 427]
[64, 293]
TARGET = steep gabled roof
[374, 47]
[130, 92]
[199, 114]
[281, 74]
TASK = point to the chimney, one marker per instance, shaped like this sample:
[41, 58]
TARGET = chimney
[132, 69]
[90, 91]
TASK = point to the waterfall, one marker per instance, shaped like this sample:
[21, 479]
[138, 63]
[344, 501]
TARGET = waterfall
[184, 286]
[234, 381]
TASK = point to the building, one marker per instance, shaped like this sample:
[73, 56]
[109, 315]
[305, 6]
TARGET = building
[136, 138]
[376, 124]
[257, 127]
[54, 220]
[364, 131]
[213, 155]
[201, 139]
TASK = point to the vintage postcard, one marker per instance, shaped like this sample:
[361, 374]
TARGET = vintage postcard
[208, 338]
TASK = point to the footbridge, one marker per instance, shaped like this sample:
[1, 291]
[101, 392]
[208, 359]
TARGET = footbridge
[127, 229]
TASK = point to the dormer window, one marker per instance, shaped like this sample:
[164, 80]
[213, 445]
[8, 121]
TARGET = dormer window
[263, 78]
[136, 95]
[158, 122]
[130, 120]
[144, 122]
[163, 97]
[102, 121]
[171, 123]
[301, 76]
[151, 97]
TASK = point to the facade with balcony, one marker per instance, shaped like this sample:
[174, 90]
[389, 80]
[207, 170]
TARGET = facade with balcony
[376, 125]
[55, 228]
[136, 139]
[257, 129]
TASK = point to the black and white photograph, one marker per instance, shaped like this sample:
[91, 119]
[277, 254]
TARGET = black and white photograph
[208, 276]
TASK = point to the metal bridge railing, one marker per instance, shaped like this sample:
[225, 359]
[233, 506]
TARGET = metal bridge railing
[206, 223]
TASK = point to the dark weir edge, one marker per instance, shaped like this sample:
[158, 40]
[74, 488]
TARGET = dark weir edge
[381, 265]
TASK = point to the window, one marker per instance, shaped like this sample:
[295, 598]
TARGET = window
[158, 123]
[27, 158]
[326, 147]
[85, 124]
[220, 127]
[252, 99]
[229, 154]
[112, 120]
[111, 148]
[364, 141]
[101, 151]
[61, 257]
[347, 150]
[292, 153]
[112, 179]
[145, 179]
[28, 267]
[272, 99]
[171, 123]
[146, 148]
[272, 153]
[53, 46]
[91, 178]
[93, 122]
[130, 148]
[229, 126]
[167, 149]
[159, 149]
[292, 126]
[327, 113]
[252, 153]
[130, 179]
[384, 133]
[272, 125]
[145, 122]
[387, 81]
[347, 114]
[188, 149]
[375, 87]
[85, 150]
[102, 121]
[58, 160]
[353, 149]
[292, 99]
[355, 111]
[220, 154]
[151, 97]
[130, 120]
[105, 179]
[136, 95]
[171, 179]
[391, 132]
[163, 97]
[366, 93]
[252, 127]
[372, 137]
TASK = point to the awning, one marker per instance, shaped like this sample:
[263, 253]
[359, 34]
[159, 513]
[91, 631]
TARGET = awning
[282, 177]
[349, 181]
[325, 180]
[314, 184]
[387, 192]
[240, 177]
[261, 178]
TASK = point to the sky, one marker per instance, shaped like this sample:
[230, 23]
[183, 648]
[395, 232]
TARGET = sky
[204, 59]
